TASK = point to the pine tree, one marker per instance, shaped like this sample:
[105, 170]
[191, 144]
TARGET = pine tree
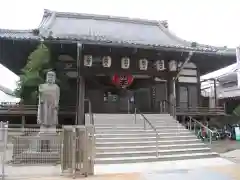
[33, 74]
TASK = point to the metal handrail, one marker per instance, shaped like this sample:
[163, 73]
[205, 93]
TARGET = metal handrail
[202, 126]
[150, 124]
[196, 121]
[90, 111]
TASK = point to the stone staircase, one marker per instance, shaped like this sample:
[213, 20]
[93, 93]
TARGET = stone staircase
[120, 140]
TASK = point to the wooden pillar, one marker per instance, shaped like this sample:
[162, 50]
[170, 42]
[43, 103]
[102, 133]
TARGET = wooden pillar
[169, 94]
[81, 100]
[171, 91]
[80, 110]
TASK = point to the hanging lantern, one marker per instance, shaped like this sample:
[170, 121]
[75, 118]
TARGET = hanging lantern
[106, 61]
[172, 65]
[143, 64]
[125, 63]
[160, 65]
[122, 81]
[88, 60]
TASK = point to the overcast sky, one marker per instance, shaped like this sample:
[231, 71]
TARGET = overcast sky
[215, 22]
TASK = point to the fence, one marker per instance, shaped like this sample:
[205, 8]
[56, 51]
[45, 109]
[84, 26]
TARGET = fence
[3, 146]
[35, 147]
[78, 150]
[32, 152]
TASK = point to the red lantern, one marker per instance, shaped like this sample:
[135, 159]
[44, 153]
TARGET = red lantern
[122, 81]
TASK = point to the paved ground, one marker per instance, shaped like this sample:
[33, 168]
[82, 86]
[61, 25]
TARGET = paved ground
[161, 166]
[223, 146]
[143, 171]
[207, 169]
[228, 149]
[227, 172]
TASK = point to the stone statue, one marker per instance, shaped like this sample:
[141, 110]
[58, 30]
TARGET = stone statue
[49, 94]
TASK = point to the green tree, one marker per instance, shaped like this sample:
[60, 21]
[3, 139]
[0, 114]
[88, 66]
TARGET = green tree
[236, 111]
[33, 74]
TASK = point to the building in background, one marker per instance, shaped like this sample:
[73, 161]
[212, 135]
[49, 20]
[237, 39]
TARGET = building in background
[227, 85]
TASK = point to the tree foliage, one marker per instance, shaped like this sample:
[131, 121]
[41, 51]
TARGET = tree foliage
[236, 111]
[33, 74]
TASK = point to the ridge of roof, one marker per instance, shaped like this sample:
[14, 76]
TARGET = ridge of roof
[74, 15]
[49, 17]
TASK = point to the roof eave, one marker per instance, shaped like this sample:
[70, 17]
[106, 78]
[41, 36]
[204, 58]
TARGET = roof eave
[123, 44]
[142, 46]
[20, 39]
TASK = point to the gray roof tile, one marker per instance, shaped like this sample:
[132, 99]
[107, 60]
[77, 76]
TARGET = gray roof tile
[108, 30]
[18, 34]
[230, 93]
[62, 25]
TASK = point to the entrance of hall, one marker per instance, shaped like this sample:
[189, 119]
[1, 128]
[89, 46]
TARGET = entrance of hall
[146, 99]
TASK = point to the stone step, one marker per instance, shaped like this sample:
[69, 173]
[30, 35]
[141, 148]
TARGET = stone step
[119, 139]
[138, 127]
[151, 147]
[146, 143]
[174, 124]
[151, 153]
[156, 115]
[131, 121]
[119, 115]
[129, 131]
[146, 134]
[137, 139]
[163, 122]
[121, 160]
[138, 123]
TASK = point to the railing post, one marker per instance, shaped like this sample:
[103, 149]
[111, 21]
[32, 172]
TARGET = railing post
[164, 106]
[210, 138]
[160, 106]
[90, 112]
[144, 123]
[135, 115]
[194, 127]
[190, 124]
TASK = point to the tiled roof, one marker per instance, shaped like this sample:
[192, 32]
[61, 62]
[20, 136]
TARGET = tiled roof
[6, 90]
[234, 92]
[18, 34]
[109, 30]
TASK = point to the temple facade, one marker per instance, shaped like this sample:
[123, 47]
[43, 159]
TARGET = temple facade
[117, 63]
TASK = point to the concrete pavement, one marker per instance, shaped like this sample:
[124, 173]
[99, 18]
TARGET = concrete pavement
[227, 172]
[213, 168]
